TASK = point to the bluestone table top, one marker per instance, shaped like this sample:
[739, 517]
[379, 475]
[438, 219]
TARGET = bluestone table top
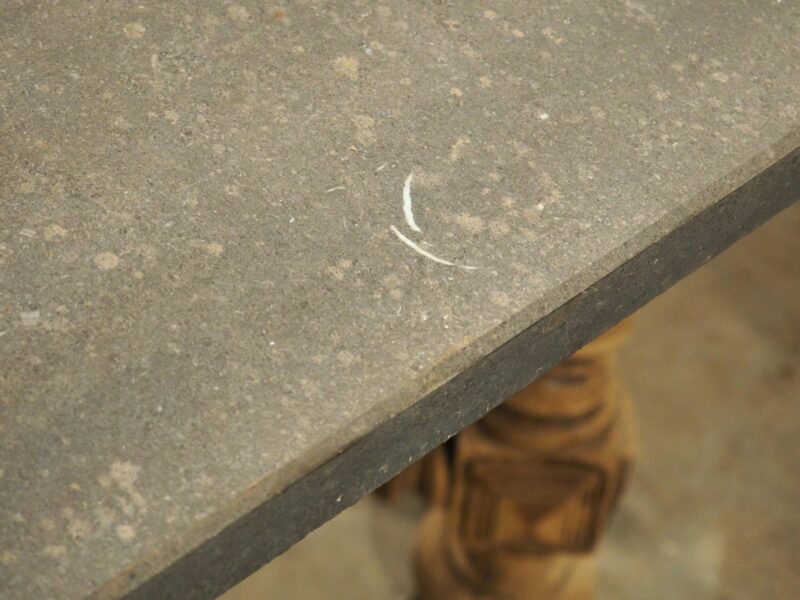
[218, 325]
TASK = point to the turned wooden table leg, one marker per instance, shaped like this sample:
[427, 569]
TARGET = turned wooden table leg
[533, 485]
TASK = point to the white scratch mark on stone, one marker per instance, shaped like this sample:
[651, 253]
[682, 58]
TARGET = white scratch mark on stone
[407, 211]
[335, 189]
[425, 253]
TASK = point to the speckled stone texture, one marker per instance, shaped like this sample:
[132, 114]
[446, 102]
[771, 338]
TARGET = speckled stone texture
[210, 338]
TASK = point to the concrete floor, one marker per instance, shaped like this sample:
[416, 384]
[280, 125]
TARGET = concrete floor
[714, 510]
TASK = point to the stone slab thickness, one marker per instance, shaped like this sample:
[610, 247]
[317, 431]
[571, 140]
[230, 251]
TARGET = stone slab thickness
[211, 338]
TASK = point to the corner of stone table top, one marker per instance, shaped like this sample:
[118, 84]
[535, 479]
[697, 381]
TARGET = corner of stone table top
[255, 260]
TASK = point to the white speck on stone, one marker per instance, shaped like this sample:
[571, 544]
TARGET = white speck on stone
[215, 249]
[125, 532]
[457, 148]
[78, 529]
[124, 473]
[29, 318]
[470, 223]
[54, 232]
[543, 116]
[134, 31]
[28, 233]
[105, 516]
[53, 551]
[540, 207]
[345, 357]
[347, 67]
[338, 270]
[499, 298]
[106, 260]
[365, 130]
[499, 228]
[122, 123]
[47, 524]
[238, 13]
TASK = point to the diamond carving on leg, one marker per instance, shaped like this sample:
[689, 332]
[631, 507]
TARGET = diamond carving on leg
[531, 507]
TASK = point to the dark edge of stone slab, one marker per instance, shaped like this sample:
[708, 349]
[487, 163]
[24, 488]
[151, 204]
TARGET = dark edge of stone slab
[268, 530]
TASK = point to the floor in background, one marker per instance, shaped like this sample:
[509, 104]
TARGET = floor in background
[714, 510]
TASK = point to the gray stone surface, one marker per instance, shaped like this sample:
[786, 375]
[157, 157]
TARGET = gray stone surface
[211, 341]
[713, 367]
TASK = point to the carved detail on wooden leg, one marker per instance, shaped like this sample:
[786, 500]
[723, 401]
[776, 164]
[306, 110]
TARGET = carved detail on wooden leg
[534, 483]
